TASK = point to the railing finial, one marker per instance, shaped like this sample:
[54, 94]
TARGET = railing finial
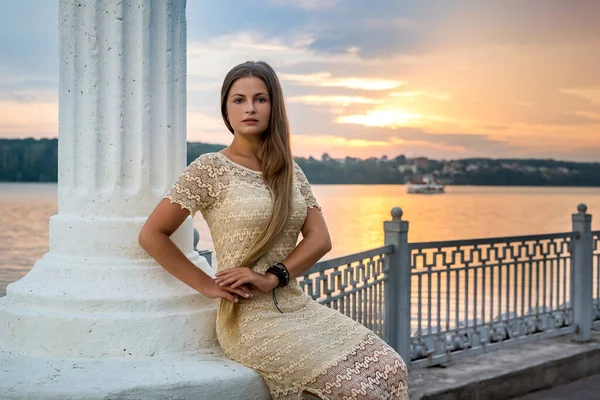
[397, 214]
[582, 208]
[196, 238]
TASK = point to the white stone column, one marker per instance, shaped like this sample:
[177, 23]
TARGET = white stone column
[96, 317]
[122, 143]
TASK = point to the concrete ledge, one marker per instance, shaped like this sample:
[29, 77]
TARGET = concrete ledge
[201, 376]
[509, 372]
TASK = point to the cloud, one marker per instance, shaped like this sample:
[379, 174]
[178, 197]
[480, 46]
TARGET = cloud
[340, 142]
[28, 119]
[283, 53]
[23, 85]
[325, 79]
[422, 93]
[340, 147]
[431, 145]
[312, 5]
[591, 94]
[318, 100]
[534, 22]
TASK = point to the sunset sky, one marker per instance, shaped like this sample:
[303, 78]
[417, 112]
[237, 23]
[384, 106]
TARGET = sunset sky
[442, 79]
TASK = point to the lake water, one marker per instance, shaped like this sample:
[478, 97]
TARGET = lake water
[354, 215]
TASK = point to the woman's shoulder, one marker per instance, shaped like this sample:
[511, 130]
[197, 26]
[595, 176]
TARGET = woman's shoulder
[208, 166]
[209, 160]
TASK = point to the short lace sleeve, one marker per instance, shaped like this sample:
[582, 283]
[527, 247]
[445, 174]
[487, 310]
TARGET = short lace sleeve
[198, 186]
[305, 188]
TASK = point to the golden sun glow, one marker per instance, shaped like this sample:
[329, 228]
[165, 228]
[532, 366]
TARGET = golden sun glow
[382, 118]
[339, 142]
[333, 100]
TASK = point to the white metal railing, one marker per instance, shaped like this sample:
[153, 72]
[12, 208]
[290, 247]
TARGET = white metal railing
[596, 274]
[354, 285]
[474, 293]
[440, 301]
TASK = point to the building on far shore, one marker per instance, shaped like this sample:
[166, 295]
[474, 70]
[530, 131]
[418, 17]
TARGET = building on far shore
[407, 168]
[422, 163]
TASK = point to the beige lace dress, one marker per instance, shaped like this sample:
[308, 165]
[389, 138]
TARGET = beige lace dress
[305, 348]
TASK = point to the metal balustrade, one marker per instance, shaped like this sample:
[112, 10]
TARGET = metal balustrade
[596, 278]
[473, 293]
[354, 285]
[435, 302]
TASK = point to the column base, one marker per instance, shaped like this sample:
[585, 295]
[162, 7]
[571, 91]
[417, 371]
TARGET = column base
[204, 375]
[72, 307]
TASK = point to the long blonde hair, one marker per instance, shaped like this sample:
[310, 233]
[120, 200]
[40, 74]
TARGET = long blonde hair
[277, 171]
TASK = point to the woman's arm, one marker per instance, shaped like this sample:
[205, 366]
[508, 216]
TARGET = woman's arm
[315, 244]
[155, 239]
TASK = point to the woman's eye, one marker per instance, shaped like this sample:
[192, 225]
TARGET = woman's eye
[238, 100]
[262, 100]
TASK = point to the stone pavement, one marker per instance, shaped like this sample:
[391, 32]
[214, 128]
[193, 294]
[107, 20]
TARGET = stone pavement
[519, 370]
[585, 389]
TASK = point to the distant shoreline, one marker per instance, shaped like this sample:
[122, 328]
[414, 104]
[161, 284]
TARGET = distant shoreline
[36, 161]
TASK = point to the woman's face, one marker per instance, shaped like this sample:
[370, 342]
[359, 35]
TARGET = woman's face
[249, 106]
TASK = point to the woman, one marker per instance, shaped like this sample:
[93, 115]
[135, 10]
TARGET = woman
[256, 202]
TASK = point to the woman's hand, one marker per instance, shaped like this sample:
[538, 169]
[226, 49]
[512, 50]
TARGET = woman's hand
[236, 277]
[212, 290]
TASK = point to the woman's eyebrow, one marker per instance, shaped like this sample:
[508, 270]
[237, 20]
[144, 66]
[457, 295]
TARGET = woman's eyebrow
[241, 95]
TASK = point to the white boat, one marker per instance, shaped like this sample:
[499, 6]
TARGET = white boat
[427, 184]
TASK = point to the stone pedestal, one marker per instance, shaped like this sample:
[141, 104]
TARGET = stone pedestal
[205, 375]
[96, 300]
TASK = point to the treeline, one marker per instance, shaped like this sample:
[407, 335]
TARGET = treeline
[508, 177]
[31, 160]
[350, 171]
[28, 160]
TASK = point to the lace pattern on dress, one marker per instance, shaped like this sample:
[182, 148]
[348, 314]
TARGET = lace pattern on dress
[372, 370]
[199, 185]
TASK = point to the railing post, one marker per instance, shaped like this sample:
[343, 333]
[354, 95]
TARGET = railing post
[397, 295]
[582, 274]
[204, 253]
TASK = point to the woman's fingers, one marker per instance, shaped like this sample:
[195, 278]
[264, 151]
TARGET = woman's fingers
[240, 292]
[243, 291]
[232, 272]
[240, 282]
[236, 278]
[228, 296]
[228, 281]
[246, 290]
[222, 278]
[227, 272]
[233, 277]
[237, 282]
